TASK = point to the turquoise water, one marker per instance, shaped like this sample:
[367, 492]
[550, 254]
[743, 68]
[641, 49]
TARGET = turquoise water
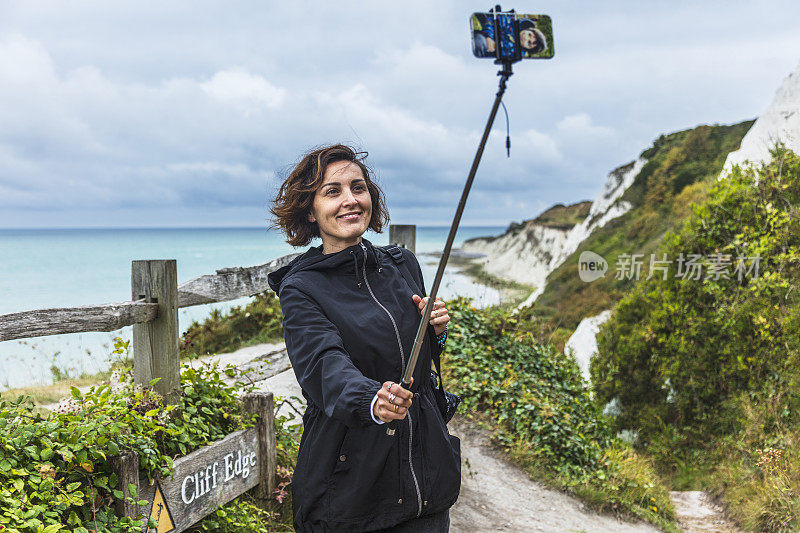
[72, 267]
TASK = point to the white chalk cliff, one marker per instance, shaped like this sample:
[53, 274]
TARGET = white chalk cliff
[779, 122]
[530, 251]
[582, 345]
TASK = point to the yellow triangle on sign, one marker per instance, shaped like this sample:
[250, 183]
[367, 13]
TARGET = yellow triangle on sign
[160, 512]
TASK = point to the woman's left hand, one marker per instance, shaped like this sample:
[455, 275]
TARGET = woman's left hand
[439, 316]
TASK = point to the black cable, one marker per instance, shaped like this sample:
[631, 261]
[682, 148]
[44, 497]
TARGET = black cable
[508, 131]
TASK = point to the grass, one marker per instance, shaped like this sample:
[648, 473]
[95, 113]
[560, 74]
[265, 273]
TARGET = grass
[260, 321]
[754, 473]
[631, 490]
[52, 393]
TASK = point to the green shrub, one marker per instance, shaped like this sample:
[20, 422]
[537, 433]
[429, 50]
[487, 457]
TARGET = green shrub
[54, 467]
[260, 321]
[544, 414]
[676, 349]
[536, 393]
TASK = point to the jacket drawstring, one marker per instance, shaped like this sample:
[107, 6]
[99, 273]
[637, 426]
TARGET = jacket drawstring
[377, 259]
[355, 267]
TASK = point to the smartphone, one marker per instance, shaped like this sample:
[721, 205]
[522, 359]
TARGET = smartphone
[510, 36]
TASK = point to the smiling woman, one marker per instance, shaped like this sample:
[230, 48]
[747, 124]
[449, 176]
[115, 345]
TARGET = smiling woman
[375, 456]
[312, 196]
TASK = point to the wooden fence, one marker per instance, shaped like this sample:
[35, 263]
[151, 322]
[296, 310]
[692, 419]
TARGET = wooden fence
[215, 474]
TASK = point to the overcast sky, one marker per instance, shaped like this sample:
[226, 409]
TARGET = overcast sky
[188, 113]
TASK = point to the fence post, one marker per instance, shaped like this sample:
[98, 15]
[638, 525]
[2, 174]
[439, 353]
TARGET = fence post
[126, 467]
[155, 343]
[404, 235]
[262, 404]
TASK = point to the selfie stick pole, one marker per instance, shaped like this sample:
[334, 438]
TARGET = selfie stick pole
[426, 314]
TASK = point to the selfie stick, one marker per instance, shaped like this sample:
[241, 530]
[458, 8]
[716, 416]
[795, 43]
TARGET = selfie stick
[504, 74]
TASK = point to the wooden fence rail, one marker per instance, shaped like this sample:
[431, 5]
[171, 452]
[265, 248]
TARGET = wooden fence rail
[226, 284]
[105, 317]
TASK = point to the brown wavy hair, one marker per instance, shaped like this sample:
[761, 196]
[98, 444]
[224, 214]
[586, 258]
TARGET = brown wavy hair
[295, 197]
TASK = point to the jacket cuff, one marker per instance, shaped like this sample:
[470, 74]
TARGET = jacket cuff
[365, 407]
[372, 410]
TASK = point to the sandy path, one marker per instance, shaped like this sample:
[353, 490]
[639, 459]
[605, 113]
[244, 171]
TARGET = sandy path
[697, 513]
[498, 496]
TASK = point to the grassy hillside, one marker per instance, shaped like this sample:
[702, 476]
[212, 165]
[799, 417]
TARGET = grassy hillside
[706, 368]
[559, 216]
[564, 216]
[680, 168]
[260, 321]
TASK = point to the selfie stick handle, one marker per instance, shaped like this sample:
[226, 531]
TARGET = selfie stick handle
[426, 313]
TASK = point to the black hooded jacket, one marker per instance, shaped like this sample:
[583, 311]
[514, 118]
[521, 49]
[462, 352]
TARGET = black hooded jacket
[349, 323]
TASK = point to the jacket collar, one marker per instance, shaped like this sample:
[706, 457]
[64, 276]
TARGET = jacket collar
[353, 258]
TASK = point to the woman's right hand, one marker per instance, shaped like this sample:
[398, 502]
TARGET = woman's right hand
[393, 402]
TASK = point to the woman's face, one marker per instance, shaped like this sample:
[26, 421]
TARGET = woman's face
[528, 39]
[342, 206]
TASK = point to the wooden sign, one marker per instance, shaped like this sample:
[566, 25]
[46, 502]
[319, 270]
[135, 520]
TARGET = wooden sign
[202, 481]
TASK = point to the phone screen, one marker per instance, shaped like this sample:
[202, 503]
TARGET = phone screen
[512, 36]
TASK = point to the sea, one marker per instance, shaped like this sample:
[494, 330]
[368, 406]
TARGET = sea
[47, 268]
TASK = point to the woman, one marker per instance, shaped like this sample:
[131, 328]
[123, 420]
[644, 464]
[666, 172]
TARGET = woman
[374, 456]
[531, 38]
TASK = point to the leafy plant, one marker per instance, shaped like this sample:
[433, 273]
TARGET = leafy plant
[259, 321]
[544, 413]
[55, 471]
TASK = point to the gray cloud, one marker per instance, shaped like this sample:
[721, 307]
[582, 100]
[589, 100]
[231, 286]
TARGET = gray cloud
[158, 115]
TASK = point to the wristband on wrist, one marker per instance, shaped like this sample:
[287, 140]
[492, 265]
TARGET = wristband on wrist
[441, 338]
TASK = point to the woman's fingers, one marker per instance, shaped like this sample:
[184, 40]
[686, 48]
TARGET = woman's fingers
[387, 414]
[440, 319]
[395, 394]
[419, 301]
[393, 401]
[439, 312]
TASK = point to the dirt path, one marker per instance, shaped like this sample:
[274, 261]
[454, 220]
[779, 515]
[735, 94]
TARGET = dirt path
[698, 513]
[498, 496]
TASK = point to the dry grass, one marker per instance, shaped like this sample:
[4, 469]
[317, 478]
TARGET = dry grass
[759, 477]
[45, 394]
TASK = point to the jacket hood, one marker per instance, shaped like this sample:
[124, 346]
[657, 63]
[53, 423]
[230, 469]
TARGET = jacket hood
[351, 258]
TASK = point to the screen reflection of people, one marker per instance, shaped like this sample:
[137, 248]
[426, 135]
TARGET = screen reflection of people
[531, 38]
[483, 44]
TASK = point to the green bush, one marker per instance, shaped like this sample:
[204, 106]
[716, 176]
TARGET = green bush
[706, 370]
[260, 321]
[677, 348]
[54, 468]
[536, 393]
[544, 413]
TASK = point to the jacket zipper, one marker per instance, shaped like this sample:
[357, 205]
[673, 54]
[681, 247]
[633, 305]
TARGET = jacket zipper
[403, 359]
